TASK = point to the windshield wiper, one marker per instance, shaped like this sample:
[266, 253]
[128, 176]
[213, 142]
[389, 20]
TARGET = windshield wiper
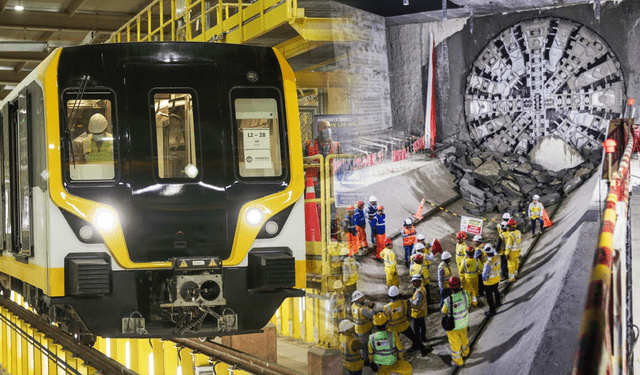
[73, 115]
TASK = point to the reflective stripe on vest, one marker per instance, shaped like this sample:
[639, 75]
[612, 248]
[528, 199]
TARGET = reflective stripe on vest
[410, 234]
[347, 353]
[96, 154]
[363, 324]
[446, 273]
[384, 348]
[397, 314]
[380, 227]
[471, 273]
[423, 305]
[494, 271]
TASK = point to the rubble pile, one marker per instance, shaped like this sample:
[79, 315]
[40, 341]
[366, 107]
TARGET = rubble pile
[505, 182]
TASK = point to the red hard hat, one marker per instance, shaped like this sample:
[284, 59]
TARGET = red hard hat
[418, 258]
[454, 282]
[460, 235]
[388, 242]
[512, 223]
[350, 208]
[380, 208]
[471, 250]
[360, 203]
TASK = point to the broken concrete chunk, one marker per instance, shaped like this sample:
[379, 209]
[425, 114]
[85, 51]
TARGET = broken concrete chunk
[554, 154]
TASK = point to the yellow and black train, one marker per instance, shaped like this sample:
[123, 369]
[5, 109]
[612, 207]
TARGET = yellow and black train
[153, 189]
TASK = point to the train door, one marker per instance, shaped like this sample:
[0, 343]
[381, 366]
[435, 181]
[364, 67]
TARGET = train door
[20, 176]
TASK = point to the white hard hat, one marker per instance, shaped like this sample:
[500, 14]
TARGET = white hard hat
[420, 237]
[503, 225]
[345, 325]
[446, 255]
[393, 291]
[506, 216]
[536, 197]
[477, 238]
[373, 198]
[97, 124]
[416, 277]
[418, 246]
[356, 295]
[344, 251]
[488, 248]
[408, 221]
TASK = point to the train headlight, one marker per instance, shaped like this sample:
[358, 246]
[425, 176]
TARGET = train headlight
[254, 216]
[86, 232]
[105, 220]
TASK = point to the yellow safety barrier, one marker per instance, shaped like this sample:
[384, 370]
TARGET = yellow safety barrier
[598, 350]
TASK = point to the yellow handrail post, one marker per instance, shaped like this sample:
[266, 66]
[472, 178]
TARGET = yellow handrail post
[240, 22]
[173, 20]
[138, 28]
[187, 18]
[295, 318]
[203, 18]
[149, 24]
[308, 319]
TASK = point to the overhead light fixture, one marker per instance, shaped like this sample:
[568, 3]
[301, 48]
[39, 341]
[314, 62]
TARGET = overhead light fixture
[10, 46]
[19, 8]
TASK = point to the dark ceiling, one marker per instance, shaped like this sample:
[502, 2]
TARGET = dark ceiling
[390, 8]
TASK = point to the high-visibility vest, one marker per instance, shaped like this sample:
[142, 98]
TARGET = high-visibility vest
[492, 267]
[95, 154]
[314, 149]
[396, 313]
[371, 211]
[503, 242]
[362, 323]
[380, 226]
[349, 225]
[359, 218]
[419, 311]
[470, 267]
[352, 359]
[408, 236]
[460, 309]
[513, 241]
[389, 258]
[383, 346]
[444, 272]
[422, 270]
[350, 270]
[535, 210]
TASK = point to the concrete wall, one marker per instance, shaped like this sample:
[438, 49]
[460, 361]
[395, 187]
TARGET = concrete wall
[366, 62]
[457, 48]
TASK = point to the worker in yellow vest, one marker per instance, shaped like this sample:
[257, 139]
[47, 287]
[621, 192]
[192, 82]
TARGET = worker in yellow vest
[491, 277]
[444, 273]
[349, 270]
[390, 265]
[505, 217]
[478, 245]
[458, 304]
[363, 318]
[98, 147]
[351, 347]
[385, 350]
[513, 249]
[501, 247]
[420, 267]
[337, 308]
[470, 270]
[419, 307]
[535, 214]
[461, 249]
[396, 312]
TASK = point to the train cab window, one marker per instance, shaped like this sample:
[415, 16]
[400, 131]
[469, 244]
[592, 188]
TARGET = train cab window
[258, 137]
[175, 136]
[91, 153]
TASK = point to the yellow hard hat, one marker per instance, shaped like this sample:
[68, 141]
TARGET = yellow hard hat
[345, 325]
[380, 319]
[344, 251]
[337, 284]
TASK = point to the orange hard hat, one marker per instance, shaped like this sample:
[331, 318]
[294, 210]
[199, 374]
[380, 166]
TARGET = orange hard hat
[350, 208]
[388, 242]
[380, 208]
[360, 203]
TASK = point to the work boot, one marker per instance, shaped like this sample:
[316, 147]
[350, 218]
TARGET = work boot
[490, 313]
[406, 264]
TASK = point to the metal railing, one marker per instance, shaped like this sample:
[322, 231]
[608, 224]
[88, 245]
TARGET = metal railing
[602, 346]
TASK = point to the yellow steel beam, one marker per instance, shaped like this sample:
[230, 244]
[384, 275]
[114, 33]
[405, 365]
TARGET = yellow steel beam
[297, 46]
[323, 29]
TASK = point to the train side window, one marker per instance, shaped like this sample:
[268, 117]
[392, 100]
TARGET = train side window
[91, 155]
[257, 125]
[175, 136]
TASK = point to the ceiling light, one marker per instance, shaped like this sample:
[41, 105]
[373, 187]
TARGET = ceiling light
[19, 8]
[14, 46]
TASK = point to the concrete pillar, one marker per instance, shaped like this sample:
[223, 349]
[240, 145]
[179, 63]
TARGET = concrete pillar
[324, 361]
[262, 345]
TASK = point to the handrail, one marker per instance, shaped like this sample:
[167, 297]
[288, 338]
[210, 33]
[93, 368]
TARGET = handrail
[597, 351]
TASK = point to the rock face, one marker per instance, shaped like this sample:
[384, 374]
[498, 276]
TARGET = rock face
[554, 154]
[497, 182]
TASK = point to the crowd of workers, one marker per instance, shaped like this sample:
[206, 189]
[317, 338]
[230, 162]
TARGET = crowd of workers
[370, 336]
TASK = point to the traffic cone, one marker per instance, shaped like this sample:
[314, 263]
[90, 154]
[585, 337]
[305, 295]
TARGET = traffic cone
[418, 214]
[547, 222]
[311, 214]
